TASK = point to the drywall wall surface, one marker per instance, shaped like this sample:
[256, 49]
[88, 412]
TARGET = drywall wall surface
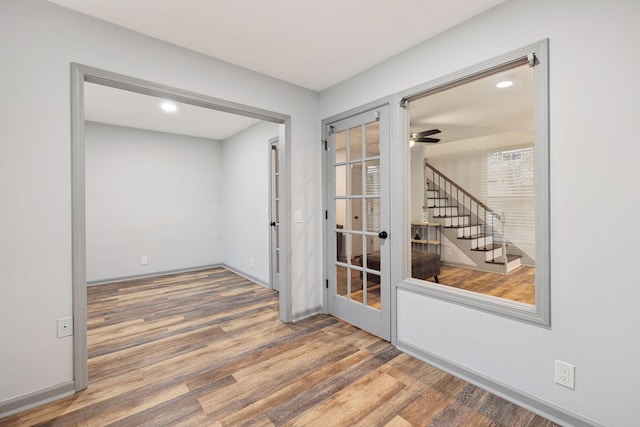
[593, 126]
[40, 41]
[150, 194]
[245, 224]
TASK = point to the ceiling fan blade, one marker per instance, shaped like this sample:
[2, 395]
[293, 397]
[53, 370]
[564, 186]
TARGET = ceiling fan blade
[426, 133]
[431, 140]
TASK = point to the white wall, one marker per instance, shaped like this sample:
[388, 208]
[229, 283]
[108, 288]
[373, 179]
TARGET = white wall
[38, 41]
[594, 290]
[245, 225]
[150, 194]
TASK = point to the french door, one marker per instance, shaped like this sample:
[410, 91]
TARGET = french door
[358, 252]
[274, 211]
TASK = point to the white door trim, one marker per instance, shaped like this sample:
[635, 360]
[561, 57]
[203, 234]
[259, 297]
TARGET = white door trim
[80, 74]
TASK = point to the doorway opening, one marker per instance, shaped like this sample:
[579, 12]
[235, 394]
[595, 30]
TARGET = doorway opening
[82, 74]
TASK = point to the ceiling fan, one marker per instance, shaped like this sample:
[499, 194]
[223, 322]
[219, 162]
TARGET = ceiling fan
[424, 136]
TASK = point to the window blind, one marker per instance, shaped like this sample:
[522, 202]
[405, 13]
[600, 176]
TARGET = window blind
[509, 189]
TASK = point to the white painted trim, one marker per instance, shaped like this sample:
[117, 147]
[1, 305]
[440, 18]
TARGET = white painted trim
[246, 276]
[530, 402]
[400, 170]
[307, 313]
[78, 232]
[157, 274]
[37, 398]
[80, 74]
[540, 313]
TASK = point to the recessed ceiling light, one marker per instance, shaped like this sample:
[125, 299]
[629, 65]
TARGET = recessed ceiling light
[504, 84]
[168, 106]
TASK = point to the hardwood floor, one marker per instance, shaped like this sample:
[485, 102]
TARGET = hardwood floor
[207, 349]
[518, 285]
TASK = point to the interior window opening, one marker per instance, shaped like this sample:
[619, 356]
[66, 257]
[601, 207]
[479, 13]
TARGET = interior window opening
[472, 185]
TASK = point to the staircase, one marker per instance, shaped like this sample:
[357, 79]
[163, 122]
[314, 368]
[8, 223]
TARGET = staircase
[472, 226]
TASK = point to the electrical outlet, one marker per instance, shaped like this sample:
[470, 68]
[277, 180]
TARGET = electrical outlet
[252, 262]
[65, 327]
[144, 260]
[565, 374]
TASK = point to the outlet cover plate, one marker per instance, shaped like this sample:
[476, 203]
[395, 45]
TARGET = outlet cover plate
[565, 374]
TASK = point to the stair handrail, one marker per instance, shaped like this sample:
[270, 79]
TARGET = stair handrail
[463, 191]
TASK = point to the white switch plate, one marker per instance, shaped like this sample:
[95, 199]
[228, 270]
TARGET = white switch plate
[144, 260]
[65, 327]
[297, 215]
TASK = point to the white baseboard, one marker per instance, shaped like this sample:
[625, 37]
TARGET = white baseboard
[296, 317]
[37, 398]
[155, 274]
[534, 404]
[246, 275]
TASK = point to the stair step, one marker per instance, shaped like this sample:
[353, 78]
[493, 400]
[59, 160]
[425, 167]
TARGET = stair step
[456, 221]
[444, 212]
[474, 236]
[510, 258]
[481, 242]
[463, 226]
[436, 203]
[487, 248]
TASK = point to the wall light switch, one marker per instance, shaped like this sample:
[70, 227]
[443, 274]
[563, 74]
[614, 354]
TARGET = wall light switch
[297, 215]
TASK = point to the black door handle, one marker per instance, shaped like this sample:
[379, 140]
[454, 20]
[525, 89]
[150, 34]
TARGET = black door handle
[272, 223]
[383, 235]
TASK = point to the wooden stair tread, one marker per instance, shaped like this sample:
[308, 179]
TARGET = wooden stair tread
[509, 259]
[487, 248]
[474, 236]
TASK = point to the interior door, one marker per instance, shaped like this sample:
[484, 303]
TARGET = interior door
[274, 211]
[358, 251]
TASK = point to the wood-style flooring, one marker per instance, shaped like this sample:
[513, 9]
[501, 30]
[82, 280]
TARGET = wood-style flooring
[207, 349]
[518, 285]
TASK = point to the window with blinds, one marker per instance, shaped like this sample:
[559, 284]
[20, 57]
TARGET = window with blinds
[508, 187]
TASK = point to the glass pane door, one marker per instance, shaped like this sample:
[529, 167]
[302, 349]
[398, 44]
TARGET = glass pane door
[359, 282]
[274, 163]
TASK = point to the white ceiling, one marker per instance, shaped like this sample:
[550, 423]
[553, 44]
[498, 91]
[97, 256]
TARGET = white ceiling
[478, 108]
[311, 43]
[120, 107]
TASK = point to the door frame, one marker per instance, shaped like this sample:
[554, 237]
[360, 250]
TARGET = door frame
[81, 73]
[397, 156]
